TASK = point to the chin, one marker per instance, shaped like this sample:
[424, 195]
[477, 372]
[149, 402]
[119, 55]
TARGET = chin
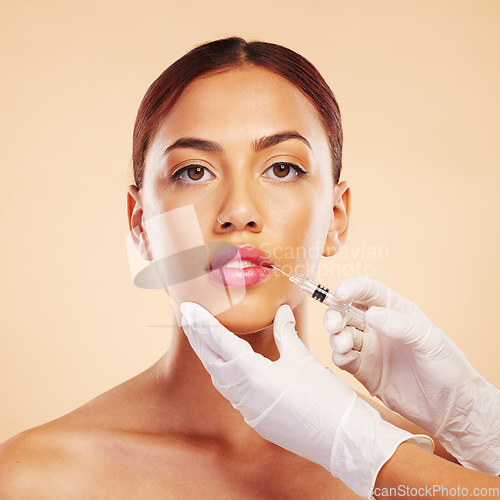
[241, 321]
[255, 313]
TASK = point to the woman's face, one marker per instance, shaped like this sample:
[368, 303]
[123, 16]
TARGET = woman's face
[247, 146]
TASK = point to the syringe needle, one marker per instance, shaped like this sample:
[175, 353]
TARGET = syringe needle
[291, 277]
[327, 297]
[278, 269]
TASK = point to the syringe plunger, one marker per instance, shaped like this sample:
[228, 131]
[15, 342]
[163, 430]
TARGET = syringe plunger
[323, 294]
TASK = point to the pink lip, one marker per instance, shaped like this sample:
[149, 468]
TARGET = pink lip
[248, 276]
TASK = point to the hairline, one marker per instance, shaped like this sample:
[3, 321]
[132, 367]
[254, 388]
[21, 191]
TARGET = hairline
[235, 66]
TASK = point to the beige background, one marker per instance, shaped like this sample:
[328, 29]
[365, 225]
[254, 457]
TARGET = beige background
[417, 84]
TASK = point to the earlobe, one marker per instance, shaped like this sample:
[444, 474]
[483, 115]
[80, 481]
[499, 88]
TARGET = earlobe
[135, 222]
[339, 220]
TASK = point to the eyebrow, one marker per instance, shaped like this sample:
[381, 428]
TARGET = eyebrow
[272, 140]
[215, 147]
[192, 143]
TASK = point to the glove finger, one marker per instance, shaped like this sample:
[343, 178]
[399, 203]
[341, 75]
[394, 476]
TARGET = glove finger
[341, 342]
[285, 336]
[395, 325]
[207, 355]
[350, 361]
[357, 338]
[239, 370]
[364, 290]
[353, 320]
[333, 321]
[348, 339]
[215, 335]
[368, 291]
[228, 377]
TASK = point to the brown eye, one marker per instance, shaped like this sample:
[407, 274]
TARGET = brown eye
[195, 173]
[281, 169]
[284, 170]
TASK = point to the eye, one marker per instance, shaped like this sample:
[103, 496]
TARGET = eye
[283, 170]
[193, 174]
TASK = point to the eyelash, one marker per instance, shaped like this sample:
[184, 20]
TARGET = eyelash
[300, 172]
[175, 176]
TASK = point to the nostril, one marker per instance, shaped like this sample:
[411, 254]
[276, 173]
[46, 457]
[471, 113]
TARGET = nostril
[252, 224]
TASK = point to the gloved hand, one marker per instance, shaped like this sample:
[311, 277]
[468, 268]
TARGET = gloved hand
[295, 402]
[417, 371]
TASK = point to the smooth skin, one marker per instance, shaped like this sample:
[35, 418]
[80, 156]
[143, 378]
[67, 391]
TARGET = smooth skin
[167, 433]
[235, 111]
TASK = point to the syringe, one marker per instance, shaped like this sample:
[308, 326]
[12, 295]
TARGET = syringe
[350, 313]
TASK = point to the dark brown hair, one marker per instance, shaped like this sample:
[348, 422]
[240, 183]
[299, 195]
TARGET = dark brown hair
[224, 54]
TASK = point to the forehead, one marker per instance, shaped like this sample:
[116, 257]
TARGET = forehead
[245, 100]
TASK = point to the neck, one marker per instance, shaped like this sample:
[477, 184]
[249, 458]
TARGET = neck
[199, 408]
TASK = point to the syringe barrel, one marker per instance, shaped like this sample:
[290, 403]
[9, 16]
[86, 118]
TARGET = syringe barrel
[350, 313]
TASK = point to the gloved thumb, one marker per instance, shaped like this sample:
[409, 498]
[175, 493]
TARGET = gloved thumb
[397, 326]
[285, 335]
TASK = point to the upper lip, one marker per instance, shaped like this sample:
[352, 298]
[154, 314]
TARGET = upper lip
[245, 252]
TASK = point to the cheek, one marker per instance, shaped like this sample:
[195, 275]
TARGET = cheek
[299, 230]
[181, 260]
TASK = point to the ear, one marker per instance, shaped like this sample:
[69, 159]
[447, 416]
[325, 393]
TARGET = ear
[135, 222]
[339, 221]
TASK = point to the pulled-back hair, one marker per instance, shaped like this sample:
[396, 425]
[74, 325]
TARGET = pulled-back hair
[225, 54]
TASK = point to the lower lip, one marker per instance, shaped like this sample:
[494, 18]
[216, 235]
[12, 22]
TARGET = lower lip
[248, 276]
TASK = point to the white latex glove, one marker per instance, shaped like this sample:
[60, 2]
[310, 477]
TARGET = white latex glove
[295, 402]
[417, 371]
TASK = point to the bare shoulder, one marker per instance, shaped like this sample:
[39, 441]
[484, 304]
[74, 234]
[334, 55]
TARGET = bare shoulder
[65, 458]
[60, 458]
[31, 463]
[87, 453]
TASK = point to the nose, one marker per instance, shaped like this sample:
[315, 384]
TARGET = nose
[239, 211]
